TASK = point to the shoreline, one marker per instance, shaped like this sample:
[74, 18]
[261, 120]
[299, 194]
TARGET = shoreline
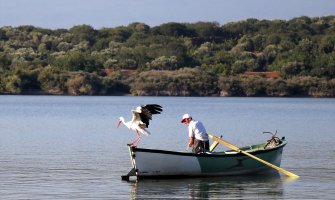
[130, 95]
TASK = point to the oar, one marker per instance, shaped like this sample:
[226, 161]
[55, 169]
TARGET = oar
[214, 145]
[235, 148]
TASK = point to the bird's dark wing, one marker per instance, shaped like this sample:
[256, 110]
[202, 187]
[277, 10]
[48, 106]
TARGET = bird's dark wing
[148, 110]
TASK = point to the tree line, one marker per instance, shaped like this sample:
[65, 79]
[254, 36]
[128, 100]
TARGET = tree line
[172, 59]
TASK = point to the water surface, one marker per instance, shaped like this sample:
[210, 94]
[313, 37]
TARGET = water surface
[54, 147]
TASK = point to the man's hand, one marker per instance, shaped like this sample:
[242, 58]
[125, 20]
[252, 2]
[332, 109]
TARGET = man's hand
[191, 142]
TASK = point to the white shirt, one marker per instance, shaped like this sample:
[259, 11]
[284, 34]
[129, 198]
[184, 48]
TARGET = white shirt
[197, 130]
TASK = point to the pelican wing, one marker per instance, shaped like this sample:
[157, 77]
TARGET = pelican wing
[147, 111]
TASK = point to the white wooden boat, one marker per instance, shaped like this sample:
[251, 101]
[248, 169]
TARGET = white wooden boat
[155, 163]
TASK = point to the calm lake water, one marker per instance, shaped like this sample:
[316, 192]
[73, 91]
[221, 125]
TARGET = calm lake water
[54, 147]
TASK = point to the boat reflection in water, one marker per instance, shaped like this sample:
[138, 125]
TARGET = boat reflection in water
[267, 186]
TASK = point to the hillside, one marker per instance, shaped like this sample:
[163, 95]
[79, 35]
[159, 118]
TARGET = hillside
[172, 59]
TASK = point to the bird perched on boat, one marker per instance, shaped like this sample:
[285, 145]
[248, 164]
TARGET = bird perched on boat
[140, 121]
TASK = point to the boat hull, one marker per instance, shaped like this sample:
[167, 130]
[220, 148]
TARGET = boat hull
[155, 163]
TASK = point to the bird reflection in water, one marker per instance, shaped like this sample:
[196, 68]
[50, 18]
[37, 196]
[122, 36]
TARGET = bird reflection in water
[268, 186]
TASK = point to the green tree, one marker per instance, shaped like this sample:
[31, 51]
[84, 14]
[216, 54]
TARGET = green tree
[230, 86]
[76, 61]
[173, 29]
[207, 29]
[22, 81]
[164, 63]
[327, 44]
[52, 80]
[120, 34]
[277, 88]
[292, 69]
[83, 33]
[83, 84]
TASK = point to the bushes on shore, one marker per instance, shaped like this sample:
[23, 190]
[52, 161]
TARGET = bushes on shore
[188, 59]
[305, 86]
[182, 82]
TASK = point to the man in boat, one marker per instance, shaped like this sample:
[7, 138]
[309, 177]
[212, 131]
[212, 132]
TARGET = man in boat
[197, 134]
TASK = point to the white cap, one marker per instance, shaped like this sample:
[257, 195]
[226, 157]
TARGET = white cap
[185, 116]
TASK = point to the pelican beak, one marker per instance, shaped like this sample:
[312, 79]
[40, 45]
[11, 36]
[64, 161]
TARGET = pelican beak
[118, 124]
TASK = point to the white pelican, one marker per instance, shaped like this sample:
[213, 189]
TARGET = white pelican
[140, 121]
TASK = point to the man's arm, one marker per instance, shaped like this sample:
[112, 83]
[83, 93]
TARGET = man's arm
[191, 142]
